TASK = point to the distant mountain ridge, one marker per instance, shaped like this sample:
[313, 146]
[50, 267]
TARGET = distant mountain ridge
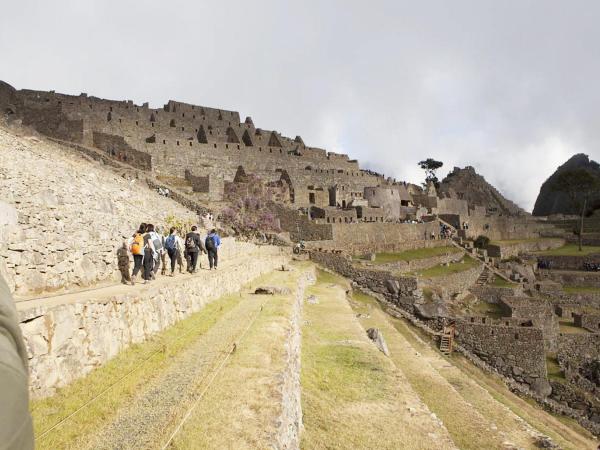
[551, 201]
[469, 185]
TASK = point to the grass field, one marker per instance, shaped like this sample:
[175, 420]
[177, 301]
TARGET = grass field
[566, 326]
[142, 362]
[501, 282]
[410, 255]
[442, 270]
[581, 289]
[570, 250]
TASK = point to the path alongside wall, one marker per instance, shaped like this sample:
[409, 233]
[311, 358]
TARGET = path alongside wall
[67, 341]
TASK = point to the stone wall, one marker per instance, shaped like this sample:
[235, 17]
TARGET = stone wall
[68, 341]
[575, 349]
[455, 283]
[572, 278]
[564, 262]
[507, 249]
[494, 294]
[589, 321]
[72, 216]
[116, 147]
[517, 352]
[402, 291]
[419, 264]
[540, 312]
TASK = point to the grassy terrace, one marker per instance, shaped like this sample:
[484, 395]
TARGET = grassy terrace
[567, 326]
[570, 250]
[516, 241]
[500, 282]
[442, 270]
[581, 290]
[409, 255]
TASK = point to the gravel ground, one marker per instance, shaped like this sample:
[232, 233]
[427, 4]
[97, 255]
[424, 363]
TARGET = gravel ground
[148, 420]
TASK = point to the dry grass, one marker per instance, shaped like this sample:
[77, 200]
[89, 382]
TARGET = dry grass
[570, 250]
[241, 407]
[443, 270]
[581, 289]
[419, 253]
[352, 396]
[146, 361]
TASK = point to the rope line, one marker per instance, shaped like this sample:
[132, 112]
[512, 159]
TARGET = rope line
[214, 375]
[138, 366]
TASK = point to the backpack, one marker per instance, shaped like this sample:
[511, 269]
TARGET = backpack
[210, 243]
[190, 243]
[157, 241]
[138, 244]
[170, 242]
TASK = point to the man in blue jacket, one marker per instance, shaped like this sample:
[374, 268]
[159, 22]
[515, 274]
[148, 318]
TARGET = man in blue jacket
[212, 243]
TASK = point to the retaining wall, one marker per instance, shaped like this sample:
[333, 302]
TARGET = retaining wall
[68, 341]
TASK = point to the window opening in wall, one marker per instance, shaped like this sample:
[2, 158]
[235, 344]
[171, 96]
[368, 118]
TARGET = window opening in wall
[311, 198]
[164, 141]
[109, 117]
[226, 145]
[182, 128]
[215, 145]
[190, 143]
[120, 120]
[152, 124]
[238, 147]
[136, 123]
[172, 123]
[516, 336]
[177, 142]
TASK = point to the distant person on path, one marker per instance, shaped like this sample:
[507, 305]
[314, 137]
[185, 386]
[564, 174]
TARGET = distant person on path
[173, 249]
[193, 246]
[212, 243]
[136, 246]
[149, 254]
[123, 262]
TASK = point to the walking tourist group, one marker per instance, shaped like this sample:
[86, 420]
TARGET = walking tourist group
[149, 248]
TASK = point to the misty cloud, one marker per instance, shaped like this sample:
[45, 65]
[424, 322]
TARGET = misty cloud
[510, 88]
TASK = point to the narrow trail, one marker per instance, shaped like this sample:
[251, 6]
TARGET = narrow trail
[113, 289]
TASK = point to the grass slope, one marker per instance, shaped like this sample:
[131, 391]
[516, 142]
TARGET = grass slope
[442, 270]
[409, 255]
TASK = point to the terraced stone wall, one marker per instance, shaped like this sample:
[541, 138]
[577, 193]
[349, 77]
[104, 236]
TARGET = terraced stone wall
[68, 341]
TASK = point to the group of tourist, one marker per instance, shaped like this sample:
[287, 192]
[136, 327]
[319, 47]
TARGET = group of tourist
[150, 248]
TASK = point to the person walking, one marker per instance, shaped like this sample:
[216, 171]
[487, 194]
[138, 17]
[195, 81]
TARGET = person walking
[136, 247]
[123, 263]
[212, 243]
[149, 254]
[193, 246]
[159, 250]
[172, 247]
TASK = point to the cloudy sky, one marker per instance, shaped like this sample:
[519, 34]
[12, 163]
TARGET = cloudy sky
[509, 87]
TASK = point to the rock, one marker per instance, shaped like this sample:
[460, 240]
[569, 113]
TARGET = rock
[312, 300]
[377, 337]
[544, 442]
[517, 371]
[8, 214]
[272, 290]
[431, 310]
[392, 286]
[541, 387]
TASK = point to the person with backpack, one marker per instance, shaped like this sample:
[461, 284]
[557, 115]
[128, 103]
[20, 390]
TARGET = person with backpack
[193, 246]
[212, 243]
[149, 254]
[157, 242]
[172, 247]
[136, 247]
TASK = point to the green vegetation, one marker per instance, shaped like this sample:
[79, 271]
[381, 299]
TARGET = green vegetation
[570, 250]
[351, 394]
[555, 373]
[418, 253]
[129, 372]
[452, 268]
[481, 241]
[581, 289]
[567, 326]
[487, 309]
[501, 282]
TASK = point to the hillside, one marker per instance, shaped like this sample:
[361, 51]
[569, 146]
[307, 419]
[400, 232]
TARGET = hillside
[551, 201]
[69, 215]
[471, 186]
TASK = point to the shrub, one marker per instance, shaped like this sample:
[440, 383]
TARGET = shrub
[481, 241]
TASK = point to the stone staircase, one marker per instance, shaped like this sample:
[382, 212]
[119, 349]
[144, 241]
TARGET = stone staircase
[486, 277]
[447, 339]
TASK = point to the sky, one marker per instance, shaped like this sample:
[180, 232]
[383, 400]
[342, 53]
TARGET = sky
[511, 88]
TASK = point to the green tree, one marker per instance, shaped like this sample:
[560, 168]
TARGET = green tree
[430, 166]
[578, 185]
